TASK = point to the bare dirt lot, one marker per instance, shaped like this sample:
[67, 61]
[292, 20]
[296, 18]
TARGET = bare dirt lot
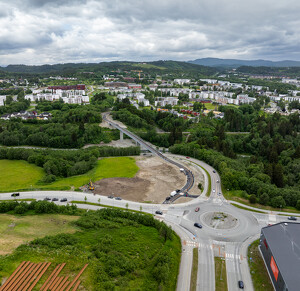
[155, 180]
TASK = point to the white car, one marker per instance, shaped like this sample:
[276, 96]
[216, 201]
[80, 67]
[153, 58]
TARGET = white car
[214, 190]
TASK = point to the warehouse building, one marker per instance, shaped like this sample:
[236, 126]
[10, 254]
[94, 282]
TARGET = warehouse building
[280, 248]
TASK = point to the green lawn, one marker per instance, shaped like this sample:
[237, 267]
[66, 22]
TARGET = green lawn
[20, 175]
[259, 273]
[193, 286]
[220, 274]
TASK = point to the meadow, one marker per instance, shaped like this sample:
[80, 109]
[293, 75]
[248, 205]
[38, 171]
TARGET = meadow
[20, 175]
[125, 251]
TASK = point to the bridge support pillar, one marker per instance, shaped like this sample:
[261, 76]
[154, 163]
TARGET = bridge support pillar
[121, 135]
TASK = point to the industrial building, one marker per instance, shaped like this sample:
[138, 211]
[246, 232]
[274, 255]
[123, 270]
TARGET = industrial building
[280, 248]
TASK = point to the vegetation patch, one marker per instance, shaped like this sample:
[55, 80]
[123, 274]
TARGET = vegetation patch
[16, 230]
[194, 274]
[124, 250]
[259, 273]
[220, 274]
[18, 175]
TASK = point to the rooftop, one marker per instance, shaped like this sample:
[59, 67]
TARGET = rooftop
[284, 241]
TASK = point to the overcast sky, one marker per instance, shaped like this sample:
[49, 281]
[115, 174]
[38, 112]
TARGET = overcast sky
[59, 31]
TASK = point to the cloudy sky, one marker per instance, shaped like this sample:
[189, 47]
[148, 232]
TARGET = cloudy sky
[59, 31]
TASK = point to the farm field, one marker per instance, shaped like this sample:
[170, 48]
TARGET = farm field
[20, 175]
[122, 252]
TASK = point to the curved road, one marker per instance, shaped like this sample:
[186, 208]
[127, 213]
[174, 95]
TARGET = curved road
[230, 243]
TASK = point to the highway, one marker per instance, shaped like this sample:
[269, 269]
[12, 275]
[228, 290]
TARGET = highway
[215, 238]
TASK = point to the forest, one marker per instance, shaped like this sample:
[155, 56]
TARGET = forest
[263, 163]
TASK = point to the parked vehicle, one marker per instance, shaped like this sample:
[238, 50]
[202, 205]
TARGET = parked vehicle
[15, 194]
[110, 197]
[47, 199]
[54, 199]
[292, 218]
[168, 198]
[158, 212]
[197, 209]
[63, 199]
[118, 198]
[197, 225]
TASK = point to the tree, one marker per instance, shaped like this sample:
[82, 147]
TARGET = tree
[278, 202]
[252, 199]
[298, 205]
[85, 199]
[278, 175]
[264, 199]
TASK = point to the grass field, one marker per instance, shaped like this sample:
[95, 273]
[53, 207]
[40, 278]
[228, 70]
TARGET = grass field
[259, 274]
[122, 255]
[20, 175]
[16, 230]
[220, 274]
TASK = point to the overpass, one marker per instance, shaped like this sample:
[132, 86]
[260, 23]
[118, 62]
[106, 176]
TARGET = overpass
[189, 175]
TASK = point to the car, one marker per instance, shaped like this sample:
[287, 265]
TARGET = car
[197, 209]
[241, 284]
[197, 225]
[158, 212]
[214, 190]
[63, 199]
[110, 197]
[15, 194]
[214, 171]
[187, 157]
[292, 218]
[118, 198]
[54, 199]
[218, 181]
[47, 199]
[168, 198]
[220, 194]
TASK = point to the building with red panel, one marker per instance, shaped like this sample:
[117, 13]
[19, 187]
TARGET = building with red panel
[280, 249]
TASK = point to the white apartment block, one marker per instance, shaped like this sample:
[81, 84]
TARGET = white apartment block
[163, 101]
[182, 81]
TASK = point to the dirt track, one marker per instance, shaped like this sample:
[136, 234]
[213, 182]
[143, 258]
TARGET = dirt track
[155, 180]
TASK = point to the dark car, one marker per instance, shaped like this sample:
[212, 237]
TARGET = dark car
[63, 199]
[168, 198]
[187, 157]
[241, 284]
[54, 199]
[197, 209]
[111, 197]
[292, 218]
[118, 198]
[214, 171]
[197, 225]
[15, 194]
[158, 212]
[47, 198]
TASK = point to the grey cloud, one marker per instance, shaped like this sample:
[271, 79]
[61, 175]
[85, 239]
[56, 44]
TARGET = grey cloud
[40, 31]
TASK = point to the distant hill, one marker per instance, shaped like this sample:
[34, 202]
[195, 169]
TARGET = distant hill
[235, 63]
[107, 67]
